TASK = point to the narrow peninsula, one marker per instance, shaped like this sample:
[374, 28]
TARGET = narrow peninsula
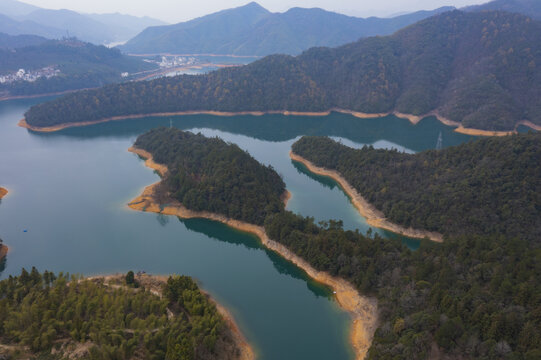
[255, 194]
[373, 216]
[118, 316]
[455, 191]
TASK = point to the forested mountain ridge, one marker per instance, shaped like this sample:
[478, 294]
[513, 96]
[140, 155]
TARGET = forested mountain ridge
[208, 174]
[79, 65]
[50, 316]
[19, 41]
[531, 8]
[488, 187]
[474, 296]
[253, 30]
[479, 69]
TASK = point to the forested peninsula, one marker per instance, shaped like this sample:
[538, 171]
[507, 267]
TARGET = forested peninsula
[211, 175]
[476, 295]
[478, 70]
[52, 316]
[485, 187]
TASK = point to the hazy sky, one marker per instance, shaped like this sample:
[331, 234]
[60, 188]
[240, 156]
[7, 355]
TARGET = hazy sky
[180, 10]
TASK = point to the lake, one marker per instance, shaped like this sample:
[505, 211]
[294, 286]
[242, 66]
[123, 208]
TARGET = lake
[69, 190]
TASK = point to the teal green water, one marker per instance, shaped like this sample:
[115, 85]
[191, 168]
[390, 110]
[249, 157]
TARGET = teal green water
[69, 190]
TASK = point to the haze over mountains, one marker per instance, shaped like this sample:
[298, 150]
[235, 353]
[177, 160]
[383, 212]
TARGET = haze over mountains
[253, 30]
[18, 18]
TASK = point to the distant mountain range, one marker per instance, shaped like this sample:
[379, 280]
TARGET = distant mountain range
[18, 18]
[480, 69]
[253, 30]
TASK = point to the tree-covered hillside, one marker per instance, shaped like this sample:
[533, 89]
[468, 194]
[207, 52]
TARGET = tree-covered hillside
[481, 69]
[531, 8]
[81, 65]
[472, 297]
[48, 316]
[19, 41]
[210, 174]
[489, 186]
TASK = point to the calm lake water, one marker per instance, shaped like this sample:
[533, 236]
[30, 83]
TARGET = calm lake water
[68, 191]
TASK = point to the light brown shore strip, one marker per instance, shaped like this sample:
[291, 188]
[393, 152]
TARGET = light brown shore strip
[3, 248]
[3, 251]
[3, 192]
[363, 310]
[373, 216]
[154, 283]
[414, 119]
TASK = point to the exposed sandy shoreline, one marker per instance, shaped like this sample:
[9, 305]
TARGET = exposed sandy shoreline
[154, 284]
[3, 251]
[373, 216]
[414, 119]
[530, 124]
[363, 310]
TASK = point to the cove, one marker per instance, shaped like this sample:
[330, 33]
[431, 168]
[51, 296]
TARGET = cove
[69, 190]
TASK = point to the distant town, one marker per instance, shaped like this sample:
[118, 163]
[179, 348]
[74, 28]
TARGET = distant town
[29, 75]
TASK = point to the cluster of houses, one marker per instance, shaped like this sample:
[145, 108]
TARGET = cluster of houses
[30, 75]
[176, 61]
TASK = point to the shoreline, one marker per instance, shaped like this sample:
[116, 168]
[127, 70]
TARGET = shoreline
[413, 119]
[363, 310]
[154, 283]
[373, 216]
[3, 192]
[3, 251]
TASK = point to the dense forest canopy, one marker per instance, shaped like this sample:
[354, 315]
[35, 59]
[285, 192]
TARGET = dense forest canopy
[489, 186]
[472, 297]
[477, 295]
[81, 65]
[18, 41]
[210, 174]
[45, 311]
[480, 69]
[531, 8]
